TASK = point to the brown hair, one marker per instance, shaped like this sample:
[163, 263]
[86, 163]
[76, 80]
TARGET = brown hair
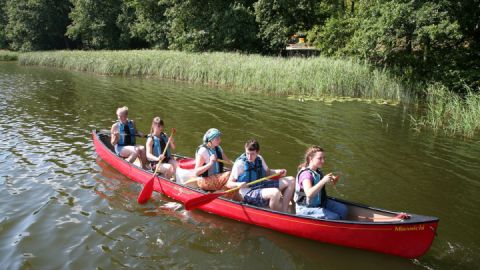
[252, 145]
[157, 121]
[309, 155]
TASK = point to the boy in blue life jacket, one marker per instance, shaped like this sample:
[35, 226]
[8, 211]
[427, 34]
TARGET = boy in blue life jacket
[251, 166]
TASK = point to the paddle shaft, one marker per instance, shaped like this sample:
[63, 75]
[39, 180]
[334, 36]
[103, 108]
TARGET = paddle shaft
[147, 189]
[164, 150]
[107, 132]
[204, 199]
[225, 161]
[219, 160]
[400, 216]
[254, 182]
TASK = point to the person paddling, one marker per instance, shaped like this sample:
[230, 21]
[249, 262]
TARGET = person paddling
[251, 166]
[123, 138]
[209, 153]
[156, 143]
[310, 193]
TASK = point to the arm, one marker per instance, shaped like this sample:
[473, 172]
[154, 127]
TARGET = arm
[272, 171]
[115, 135]
[275, 171]
[310, 190]
[150, 155]
[200, 160]
[232, 180]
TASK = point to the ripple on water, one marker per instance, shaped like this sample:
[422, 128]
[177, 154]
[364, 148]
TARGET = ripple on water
[53, 194]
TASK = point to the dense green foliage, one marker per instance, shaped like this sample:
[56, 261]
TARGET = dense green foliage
[36, 24]
[94, 24]
[215, 25]
[419, 39]
[143, 23]
[3, 23]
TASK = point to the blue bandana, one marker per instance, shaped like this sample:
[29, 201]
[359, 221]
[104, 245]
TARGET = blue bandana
[211, 134]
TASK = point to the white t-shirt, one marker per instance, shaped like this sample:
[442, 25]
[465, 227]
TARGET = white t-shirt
[203, 152]
[238, 169]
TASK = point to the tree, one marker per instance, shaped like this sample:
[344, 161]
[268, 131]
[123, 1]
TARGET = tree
[213, 25]
[331, 38]
[36, 24]
[409, 35]
[3, 25]
[94, 24]
[280, 19]
[145, 21]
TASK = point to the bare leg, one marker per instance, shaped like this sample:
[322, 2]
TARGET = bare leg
[129, 153]
[273, 195]
[287, 186]
[142, 155]
[173, 162]
[166, 169]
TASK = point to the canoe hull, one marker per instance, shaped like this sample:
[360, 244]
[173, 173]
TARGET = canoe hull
[407, 238]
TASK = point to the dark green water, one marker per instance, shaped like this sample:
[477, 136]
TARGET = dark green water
[63, 208]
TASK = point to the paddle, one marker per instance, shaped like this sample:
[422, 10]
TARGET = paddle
[225, 161]
[335, 180]
[399, 216]
[147, 189]
[107, 132]
[204, 199]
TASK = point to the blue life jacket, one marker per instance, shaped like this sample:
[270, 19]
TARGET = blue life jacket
[319, 199]
[127, 135]
[252, 171]
[218, 166]
[159, 146]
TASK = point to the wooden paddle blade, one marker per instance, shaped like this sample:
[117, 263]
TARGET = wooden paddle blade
[146, 192]
[335, 179]
[201, 200]
[276, 177]
[192, 180]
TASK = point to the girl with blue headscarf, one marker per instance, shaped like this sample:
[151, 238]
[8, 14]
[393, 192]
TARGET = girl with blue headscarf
[208, 153]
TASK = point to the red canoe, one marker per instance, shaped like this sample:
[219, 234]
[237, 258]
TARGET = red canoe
[366, 228]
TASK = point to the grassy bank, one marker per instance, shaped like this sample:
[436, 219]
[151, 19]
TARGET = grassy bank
[8, 55]
[448, 112]
[311, 77]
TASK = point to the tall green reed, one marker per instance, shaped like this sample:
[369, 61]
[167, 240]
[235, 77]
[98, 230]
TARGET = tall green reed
[8, 55]
[448, 112]
[313, 77]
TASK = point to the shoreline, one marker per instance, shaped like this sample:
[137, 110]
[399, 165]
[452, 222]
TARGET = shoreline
[318, 77]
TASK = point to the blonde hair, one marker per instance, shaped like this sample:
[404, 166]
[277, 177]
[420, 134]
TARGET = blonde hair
[122, 110]
[157, 121]
[309, 155]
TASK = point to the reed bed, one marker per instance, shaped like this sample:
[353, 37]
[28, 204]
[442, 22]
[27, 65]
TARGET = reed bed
[449, 112]
[307, 77]
[8, 55]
